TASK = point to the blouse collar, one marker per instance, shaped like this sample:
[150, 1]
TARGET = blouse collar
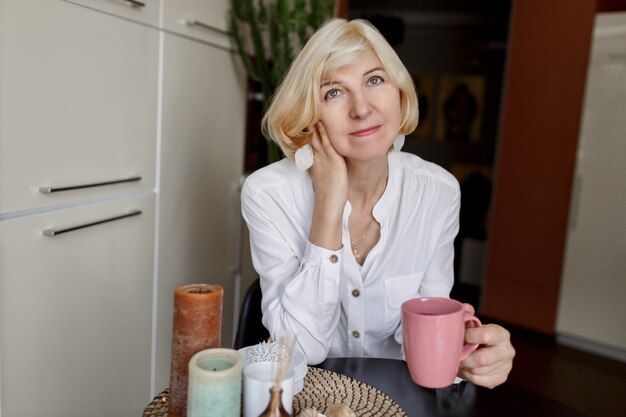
[384, 204]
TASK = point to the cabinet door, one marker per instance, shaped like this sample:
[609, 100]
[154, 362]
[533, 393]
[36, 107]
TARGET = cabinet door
[199, 19]
[201, 162]
[75, 312]
[78, 102]
[143, 11]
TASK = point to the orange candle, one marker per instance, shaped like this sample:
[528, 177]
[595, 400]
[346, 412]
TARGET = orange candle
[197, 326]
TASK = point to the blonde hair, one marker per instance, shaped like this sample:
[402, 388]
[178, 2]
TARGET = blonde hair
[295, 106]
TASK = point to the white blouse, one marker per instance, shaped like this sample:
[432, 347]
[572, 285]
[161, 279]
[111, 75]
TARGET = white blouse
[334, 306]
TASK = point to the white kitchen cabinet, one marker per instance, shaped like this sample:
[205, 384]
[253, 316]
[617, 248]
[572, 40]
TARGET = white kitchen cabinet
[94, 91]
[142, 11]
[201, 162]
[78, 103]
[591, 312]
[75, 311]
[199, 20]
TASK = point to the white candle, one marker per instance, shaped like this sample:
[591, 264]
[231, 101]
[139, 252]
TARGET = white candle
[215, 383]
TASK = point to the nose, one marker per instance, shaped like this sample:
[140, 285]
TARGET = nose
[360, 105]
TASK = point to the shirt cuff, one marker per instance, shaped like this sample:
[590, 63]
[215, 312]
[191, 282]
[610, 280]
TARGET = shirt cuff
[325, 257]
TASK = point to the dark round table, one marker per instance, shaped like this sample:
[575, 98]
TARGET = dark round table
[464, 399]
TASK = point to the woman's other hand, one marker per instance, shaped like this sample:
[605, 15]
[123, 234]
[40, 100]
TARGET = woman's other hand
[330, 183]
[490, 364]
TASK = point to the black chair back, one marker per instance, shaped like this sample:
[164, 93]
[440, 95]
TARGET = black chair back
[250, 329]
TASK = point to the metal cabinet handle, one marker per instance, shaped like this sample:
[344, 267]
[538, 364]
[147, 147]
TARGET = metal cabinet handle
[135, 3]
[50, 190]
[55, 232]
[207, 27]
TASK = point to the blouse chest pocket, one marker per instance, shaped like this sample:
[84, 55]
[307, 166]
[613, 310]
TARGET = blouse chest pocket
[398, 290]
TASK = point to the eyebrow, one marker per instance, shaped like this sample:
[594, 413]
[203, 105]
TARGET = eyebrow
[327, 83]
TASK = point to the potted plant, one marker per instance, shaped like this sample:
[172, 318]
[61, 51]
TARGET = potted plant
[268, 34]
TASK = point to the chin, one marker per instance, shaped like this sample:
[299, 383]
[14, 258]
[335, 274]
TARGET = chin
[369, 156]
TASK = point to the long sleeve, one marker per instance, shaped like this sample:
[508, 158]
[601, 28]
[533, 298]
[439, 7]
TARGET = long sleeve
[300, 281]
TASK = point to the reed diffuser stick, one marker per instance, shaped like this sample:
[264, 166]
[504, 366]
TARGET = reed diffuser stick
[284, 355]
[283, 358]
[278, 375]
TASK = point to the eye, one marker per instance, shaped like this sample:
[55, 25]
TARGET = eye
[375, 80]
[330, 94]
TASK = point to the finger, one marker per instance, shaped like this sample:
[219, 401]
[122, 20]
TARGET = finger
[482, 370]
[321, 129]
[487, 380]
[490, 375]
[485, 357]
[486, 376]
[469, 308]
[316, 141]
[487, 360]
[326, 144]
[501, 366]
[488, 335]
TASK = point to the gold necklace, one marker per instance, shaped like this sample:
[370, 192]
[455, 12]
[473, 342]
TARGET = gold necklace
[355, 245]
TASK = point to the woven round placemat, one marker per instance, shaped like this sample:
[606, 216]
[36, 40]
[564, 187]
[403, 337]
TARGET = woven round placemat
[158, 406]
[322, 389]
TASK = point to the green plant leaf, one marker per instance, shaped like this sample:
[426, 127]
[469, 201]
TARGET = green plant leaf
[280, 27]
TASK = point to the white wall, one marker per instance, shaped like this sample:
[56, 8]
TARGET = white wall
[592, 313]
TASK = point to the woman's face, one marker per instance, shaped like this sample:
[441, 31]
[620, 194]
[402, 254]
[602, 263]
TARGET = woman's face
[361, 109]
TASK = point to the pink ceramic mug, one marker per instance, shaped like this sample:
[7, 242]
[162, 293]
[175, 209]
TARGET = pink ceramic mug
[434, 339]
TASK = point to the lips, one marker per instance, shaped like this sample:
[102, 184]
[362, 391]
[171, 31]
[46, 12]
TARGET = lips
[366, 132]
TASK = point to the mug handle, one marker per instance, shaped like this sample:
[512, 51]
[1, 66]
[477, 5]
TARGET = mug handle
[469, 347]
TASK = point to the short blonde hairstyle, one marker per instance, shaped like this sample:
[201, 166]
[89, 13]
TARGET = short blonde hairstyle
[295, 105]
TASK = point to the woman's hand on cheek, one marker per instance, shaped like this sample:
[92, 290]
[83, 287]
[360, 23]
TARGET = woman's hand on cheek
[490, 364]
[330, 184]
[329, 174]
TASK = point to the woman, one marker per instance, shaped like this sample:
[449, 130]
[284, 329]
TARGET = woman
[341, 243]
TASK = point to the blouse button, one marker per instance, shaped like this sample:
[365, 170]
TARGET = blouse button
[356, 334]
[356, 293]
[333, 259]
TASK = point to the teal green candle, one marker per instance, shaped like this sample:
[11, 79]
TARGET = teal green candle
[215, 383]
[215, 364]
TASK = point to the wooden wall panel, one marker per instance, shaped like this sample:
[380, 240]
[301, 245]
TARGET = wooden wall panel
[549, 46]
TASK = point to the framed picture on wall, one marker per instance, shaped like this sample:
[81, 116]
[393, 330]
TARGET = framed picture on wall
[460, 107]
[425, 86]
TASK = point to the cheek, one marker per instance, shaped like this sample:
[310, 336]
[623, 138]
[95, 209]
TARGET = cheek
[335, 129]
[395, 112]
[332, 121]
